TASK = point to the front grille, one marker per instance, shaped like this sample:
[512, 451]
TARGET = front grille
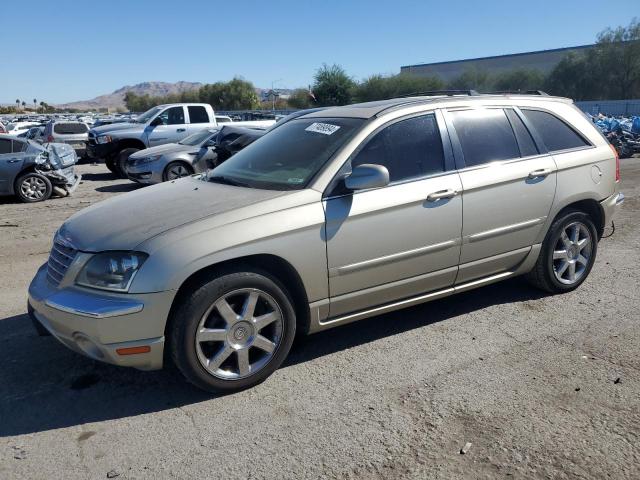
[60, 259]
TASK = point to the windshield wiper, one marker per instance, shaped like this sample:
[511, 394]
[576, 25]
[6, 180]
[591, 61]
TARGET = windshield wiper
[227, 181]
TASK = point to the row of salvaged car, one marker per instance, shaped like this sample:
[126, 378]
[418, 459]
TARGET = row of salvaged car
[37, 162]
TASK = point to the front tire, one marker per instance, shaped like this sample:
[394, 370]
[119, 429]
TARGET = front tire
[175, 170]
[32, 187]
[233, 331]
[110, 164]
[567, 255]
[121, 161]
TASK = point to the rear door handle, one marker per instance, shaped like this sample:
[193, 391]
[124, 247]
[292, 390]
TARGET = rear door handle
[13, 160]
[181, 130]
[542, 172]
[441, 194]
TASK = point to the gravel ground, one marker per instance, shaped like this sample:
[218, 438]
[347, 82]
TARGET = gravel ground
[541, 386]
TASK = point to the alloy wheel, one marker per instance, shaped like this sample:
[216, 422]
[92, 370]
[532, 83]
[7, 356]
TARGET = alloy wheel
[33, 188]
[572, 253]
[239, 333]
[177, 171]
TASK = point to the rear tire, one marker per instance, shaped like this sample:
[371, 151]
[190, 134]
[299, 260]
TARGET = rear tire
[567, 255]
[121, 161]
[33, 187]
[233, 331]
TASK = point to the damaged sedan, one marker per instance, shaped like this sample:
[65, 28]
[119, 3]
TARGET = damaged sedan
[35, 172]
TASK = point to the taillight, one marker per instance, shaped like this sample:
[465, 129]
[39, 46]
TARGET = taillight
[615, 152]
[50, 138]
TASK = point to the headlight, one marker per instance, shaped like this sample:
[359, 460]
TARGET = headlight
[149, 159]
[103, 139]
[111, 270]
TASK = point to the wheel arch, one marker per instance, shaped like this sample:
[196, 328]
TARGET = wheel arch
[271, 264]
[130, 143]
[592, 208]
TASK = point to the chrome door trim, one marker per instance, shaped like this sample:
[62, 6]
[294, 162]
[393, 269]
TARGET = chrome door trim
[375, 262]
[476, 237]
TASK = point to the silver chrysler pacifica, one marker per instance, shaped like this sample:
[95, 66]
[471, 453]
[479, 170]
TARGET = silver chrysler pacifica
[336, 216]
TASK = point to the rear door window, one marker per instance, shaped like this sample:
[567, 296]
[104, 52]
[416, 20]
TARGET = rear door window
[555, 134]
[19, 146]
[409, 149]
[485, 135]
[5, 146]
[198, 114]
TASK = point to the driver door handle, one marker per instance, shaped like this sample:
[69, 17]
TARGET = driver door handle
[181, 130]
[13, 160]
[542, 172]
[441, 194]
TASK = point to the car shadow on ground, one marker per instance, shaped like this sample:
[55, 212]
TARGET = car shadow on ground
[45, 386]
[99, 177]
[120, 187]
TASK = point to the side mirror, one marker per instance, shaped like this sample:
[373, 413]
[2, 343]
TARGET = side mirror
[156, 121]
[367, 176]
[211, 144]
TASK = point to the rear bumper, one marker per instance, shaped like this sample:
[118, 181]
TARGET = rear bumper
[610, 206]
[98, 325]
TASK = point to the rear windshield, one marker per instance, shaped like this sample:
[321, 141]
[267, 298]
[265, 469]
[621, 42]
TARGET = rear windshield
[70, 128]
[288, 157]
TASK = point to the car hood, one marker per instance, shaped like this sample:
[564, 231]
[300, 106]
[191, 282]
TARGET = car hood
[123, 222]
[162, 149]
[117, 127]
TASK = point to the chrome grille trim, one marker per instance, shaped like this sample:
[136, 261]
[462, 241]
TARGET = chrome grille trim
[60, 259]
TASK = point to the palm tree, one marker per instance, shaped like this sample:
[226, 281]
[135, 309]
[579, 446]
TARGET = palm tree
[35, 108]
[24, 104]
[42, 104]
[17, 104]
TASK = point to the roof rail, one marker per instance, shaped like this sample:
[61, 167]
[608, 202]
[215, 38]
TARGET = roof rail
[448, 93]
[520, 92]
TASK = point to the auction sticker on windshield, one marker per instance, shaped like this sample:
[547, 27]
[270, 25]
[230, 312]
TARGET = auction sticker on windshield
[324, 128]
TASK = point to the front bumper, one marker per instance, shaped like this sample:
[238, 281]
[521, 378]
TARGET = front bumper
[99, 324]
[149, 173]
[100, 150]
[610, 206]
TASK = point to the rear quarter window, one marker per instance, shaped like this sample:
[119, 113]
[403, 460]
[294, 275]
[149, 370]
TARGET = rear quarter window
[555, 133]
[70, 128]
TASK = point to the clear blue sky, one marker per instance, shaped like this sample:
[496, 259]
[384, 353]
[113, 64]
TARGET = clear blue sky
[62, 50]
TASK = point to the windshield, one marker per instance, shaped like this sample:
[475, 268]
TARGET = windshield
[198, 137]
[148, 115]
[288, 157]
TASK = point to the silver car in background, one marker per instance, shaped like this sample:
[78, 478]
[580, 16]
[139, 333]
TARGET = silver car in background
[195, 154]
[74, 134]
[34, 172]
[332, 217]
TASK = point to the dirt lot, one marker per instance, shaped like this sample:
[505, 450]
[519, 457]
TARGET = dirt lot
[543, 387]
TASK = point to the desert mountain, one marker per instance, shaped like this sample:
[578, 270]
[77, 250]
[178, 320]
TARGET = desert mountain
[116, 99]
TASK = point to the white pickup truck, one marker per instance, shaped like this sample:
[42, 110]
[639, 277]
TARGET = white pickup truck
[160, 125]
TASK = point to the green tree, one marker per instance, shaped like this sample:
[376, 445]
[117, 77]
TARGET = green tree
[301, 98]
[378, 87]
[616, 58]
[519, 79]
[332, 86]
[238, 94]
[472, 79]
[17, 104]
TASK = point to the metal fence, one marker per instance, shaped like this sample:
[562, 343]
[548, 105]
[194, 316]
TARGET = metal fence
[625, 108]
